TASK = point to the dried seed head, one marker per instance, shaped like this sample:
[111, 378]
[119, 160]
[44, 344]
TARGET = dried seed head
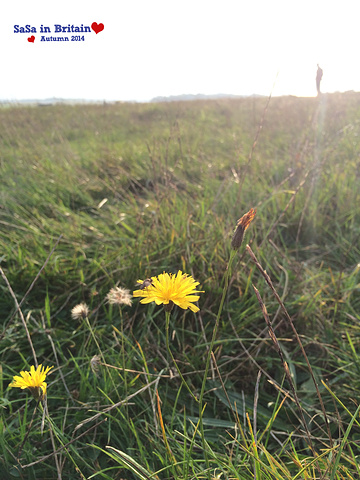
[119, 296]
[94, 363]
[242, 225]
[81, 311]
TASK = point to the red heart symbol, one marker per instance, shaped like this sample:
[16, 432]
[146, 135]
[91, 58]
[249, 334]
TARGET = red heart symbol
[97, 27]
[31, 39]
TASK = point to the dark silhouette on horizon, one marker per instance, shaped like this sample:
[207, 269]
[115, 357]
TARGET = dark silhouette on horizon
[319, 75]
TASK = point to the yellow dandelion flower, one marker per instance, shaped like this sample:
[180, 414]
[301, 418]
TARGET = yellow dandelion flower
[33, 380]
[168, 288]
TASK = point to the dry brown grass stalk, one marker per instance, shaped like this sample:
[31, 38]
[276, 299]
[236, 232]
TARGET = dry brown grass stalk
[269, 282]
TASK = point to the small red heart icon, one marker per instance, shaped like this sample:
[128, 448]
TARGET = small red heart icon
[31, 39]
[97, 27]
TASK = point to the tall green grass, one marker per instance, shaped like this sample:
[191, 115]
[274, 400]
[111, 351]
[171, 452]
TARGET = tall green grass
[126, 191]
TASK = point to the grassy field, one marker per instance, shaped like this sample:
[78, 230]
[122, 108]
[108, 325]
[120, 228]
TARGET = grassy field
[95, 197]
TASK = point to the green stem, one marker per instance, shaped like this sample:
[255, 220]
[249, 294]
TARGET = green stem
[101, 354]
[207, 366]
[123, 360]
[167, 320]
[94, 338]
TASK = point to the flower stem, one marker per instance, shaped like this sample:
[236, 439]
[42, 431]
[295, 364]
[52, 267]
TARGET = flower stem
[167, 321]
[100, 351]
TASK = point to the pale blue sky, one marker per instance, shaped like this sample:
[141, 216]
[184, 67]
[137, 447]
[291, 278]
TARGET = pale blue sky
[169, 47]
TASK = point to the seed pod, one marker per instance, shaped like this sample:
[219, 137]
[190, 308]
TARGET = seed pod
[242, 225]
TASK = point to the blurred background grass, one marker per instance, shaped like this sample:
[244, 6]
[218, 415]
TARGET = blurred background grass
[137, 189]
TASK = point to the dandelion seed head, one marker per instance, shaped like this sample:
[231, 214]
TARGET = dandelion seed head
[80, 311]
[119, 296]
